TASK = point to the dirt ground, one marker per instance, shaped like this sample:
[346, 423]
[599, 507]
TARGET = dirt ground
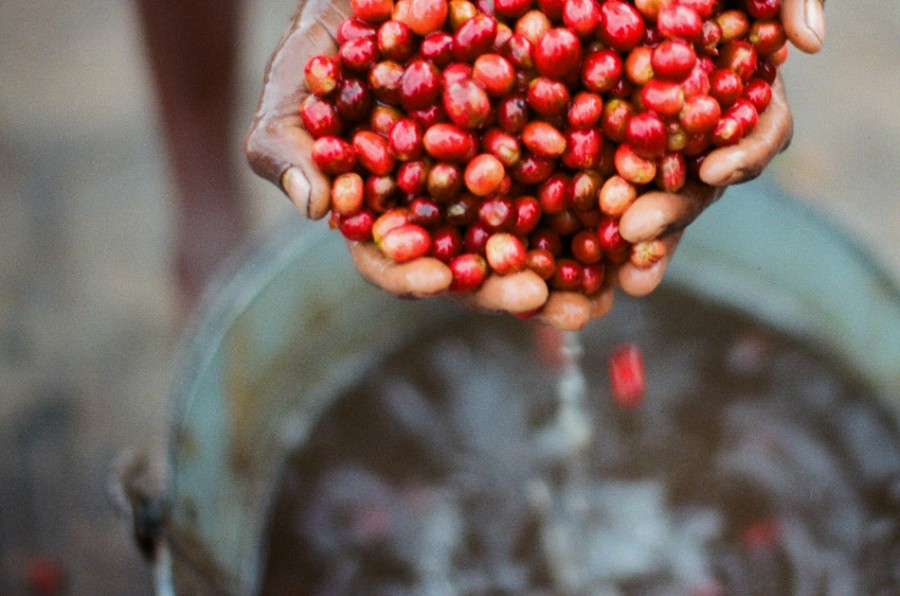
[87, 318]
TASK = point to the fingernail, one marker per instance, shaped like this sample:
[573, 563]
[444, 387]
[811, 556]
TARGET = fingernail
[297, 188]
[814, 16]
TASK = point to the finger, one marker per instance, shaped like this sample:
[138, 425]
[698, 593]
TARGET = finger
[656, 213]
[637, 281]
[519, 292]
[415, 279]
[747, 159]
[567, 311]
[804, 24]
[570, 311]
[277, 146]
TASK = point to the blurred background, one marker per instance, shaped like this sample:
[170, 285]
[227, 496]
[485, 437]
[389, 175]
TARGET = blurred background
[89, 321]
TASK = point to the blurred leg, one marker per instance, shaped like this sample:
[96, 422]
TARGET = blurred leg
[192, 47]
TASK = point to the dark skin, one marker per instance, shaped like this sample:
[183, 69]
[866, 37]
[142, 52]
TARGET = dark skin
[192, 51]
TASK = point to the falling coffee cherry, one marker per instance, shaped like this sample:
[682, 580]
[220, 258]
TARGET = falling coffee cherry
[626, 376]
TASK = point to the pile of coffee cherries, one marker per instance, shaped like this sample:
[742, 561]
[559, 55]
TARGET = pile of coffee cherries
[499, 135]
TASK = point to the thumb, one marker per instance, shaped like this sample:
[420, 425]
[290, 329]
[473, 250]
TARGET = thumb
[277, 146]
[804, 24]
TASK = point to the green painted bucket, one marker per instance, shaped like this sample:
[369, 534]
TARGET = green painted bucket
[294, 324]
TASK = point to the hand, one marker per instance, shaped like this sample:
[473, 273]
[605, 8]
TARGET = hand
[804, 23]
[278, 149]
[665, 215]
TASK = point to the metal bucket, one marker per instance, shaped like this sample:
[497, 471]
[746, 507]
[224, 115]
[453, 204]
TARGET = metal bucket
[295, 324]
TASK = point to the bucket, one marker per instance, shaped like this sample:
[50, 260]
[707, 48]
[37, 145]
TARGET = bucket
[295, 324]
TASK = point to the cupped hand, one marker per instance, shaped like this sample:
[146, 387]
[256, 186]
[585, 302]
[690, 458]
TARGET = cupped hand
[279, 150]
[666, 215]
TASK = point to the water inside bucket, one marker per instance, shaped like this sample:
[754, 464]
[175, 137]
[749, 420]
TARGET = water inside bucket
[755, 465]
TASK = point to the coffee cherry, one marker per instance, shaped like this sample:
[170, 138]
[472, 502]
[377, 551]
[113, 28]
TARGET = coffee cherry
[759, 93]
[420, 85]
[484, 174]
[541, 261]
[354, 100]
[586, 247]
[582, 148]
[548, 98]
[497, 214]
[646, 134]
[543, 140]
[502, 145]
[532, 26]
[383, 119]
[380, 193]
[662, 97]
[616, 195]
[347, 193]
[601, 71]
[445, 180]
[412, 177]
[581, 16]
[557, 53]
[406, 242]
[585, 110]
[467, 104]
[437, 48]
[495, 74]
[320, 117]
[447, 142]
[373, 153]
[426, 16]
[385, 79]
[469, 272]
[460, 11]
[763, 9]
[475, 240]
[621, 26]
[395, 41]
[512, 9]
[505, 253]
[372, 11]
[671, 172]
[474, 38]
[322, 75]
[354, 28]
[555, 194]
[700, 114]
[627, 378]
[357, 227]
[592, 276]
[333, 155]
[358, 55]
[405, 140]
[446, 243]
[639, 66]
[425, 212]
[567, 277]
[528, 215]
[677, 21]
[673, 59]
